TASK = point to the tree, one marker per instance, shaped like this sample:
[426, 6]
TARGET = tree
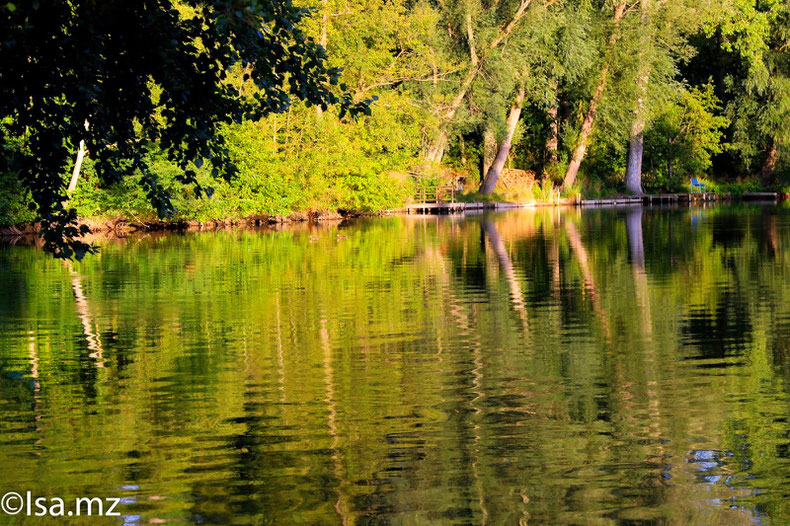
[551, 47]
[660, 43]
[636, 146]
[580, 148]
[486, 29]
[138, 72]
[687, 133]
[492, 176]
[760, 108]
[646, 41]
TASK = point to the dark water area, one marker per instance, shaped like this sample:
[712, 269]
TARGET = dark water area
[546, 366]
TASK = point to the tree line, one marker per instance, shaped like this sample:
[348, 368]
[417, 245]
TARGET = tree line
[207, 109]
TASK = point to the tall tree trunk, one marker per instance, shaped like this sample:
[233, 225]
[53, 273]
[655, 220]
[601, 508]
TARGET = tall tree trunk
[323, 37]
[633, 172]
[769, 166]
[636, 147]
[75, 174]
[504, 148]
[435, 150]
[589, 119]
[584, 135]
[489, 150]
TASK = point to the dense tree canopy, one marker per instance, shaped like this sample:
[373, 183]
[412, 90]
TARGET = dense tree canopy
[114, 74]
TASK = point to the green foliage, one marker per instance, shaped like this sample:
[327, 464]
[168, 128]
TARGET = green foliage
[477, 197]
[684, 138]
[734, 188]
[605, 163]
[286, 163]
[14, 197]
[544, 192]
[13, 201]
[760, 99]
[132, 72]
[572, 192]
[202, 120]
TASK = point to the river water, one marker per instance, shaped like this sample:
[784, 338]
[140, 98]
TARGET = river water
[545, 366]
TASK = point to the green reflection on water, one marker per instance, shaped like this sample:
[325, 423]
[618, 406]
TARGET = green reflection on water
[531, 367]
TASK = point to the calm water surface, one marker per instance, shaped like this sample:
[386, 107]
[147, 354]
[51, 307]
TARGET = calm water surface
[532, 367]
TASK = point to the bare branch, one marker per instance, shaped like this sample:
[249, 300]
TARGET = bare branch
[432, 78]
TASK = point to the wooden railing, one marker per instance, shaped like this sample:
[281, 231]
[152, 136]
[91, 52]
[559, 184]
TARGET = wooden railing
[435, 194]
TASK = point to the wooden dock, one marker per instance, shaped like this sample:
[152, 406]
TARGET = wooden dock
[612, 201]
[455, 208]
[748, 196]
[673, 198]
[647, 199]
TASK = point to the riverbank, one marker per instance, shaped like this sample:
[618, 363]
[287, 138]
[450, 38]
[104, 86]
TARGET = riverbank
[123, 225]
[120, 226]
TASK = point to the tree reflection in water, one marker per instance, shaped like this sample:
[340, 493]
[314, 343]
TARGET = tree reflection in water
[536, 366]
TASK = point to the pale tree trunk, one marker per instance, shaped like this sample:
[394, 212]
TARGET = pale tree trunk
[435, 150]
[636, 147]
[589, 119]
[504, 148]
[633, 171]
[587, 126]
[489, 150]
[769, 166]
[75, 174]
[323, 37]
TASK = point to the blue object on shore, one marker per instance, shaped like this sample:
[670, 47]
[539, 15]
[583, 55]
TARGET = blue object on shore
[696, 184]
